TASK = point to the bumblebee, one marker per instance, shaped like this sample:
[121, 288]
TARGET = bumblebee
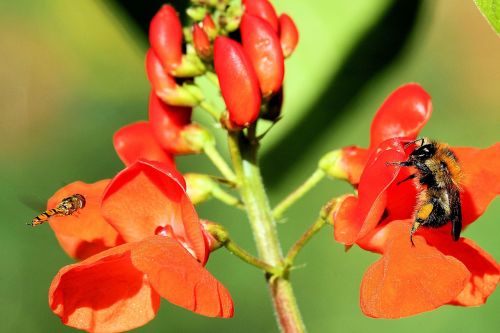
[67, 206]
[439, 174]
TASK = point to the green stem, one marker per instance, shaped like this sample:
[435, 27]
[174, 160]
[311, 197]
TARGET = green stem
[226, 198]
[293, 197]
[222, 236]
[306, 236]
[310, 232]
[244, 155]
[219, 162]
[211, 109]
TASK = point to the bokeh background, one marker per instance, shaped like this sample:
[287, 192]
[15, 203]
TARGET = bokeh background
[71, 73]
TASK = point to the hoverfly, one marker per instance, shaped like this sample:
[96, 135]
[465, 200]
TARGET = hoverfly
[67, 206]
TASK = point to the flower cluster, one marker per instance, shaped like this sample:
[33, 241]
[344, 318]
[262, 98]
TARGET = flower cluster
[139, 237]
[411, 279]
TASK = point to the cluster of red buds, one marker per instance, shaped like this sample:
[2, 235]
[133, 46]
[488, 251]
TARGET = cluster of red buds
[246, 43]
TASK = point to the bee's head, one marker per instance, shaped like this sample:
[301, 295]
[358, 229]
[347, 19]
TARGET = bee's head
[424, 152]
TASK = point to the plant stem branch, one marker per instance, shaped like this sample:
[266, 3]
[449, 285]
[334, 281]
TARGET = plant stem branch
[310, 232]
[210, 109]
[219, 162]
[306, 236]
[298, 193]
[222, 236]
[226, 198]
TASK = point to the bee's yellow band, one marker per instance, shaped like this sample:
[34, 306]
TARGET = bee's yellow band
[424, 212]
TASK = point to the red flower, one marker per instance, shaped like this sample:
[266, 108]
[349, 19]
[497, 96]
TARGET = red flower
[168, 123]
[263, 9]
[136, 141]
[436, 271]
[165, 36]
[119, 289]
[289, 35]
[263, 48]
[201, 42]
[238, 82]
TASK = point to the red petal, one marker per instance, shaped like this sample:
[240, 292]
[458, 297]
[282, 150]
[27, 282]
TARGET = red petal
[165, 36]
[148, 197]
[353, 162]
[358, 217]
[410, 279]
[136, 141]
[238, 82]
[160, 80]
[179, 278]
[263, 48]
[289, 35]
[481, 179]
[403, 114]
[201, 42]
[86, 232]
[263, 9]
[209, 27]
[485, 271]
[104, 293]
[167, 122]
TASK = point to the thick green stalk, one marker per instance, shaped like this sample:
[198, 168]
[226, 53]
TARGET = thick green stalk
[244, 156]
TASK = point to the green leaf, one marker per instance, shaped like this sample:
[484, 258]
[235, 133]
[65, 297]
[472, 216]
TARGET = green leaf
[491, 11]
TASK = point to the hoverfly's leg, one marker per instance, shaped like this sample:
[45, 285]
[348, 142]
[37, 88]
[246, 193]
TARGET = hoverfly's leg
[413, 175]
[414, 228]
[414, 141]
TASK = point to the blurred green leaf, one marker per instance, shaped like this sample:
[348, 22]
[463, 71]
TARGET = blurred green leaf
[491, 11]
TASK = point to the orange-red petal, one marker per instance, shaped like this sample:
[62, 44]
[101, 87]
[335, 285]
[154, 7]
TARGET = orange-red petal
[353, 161]
[356, 217]
[403, 114]
[86, 232]
[409, 280]
[104, 293]
[136, 141]
[485, 271]
[148, 198]
[179, 278]
[481, 179]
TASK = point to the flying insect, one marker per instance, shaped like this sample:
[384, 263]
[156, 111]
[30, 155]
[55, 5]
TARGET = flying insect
[67, 206]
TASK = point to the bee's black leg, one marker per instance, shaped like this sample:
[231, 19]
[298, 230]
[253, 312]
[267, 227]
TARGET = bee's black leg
[414, 141]
[407, 178]
[403, 164]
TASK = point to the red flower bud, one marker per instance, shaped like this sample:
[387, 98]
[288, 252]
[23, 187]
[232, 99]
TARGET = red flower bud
[201, 42]
[136, 141]
[289, 35]
[209, 27]
[165, 37]
[167, 122]
[164, 84]
[263, 9]
[238, 82]
[263, 48]
[159, 79]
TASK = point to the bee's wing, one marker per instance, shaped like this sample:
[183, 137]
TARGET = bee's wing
[455, 212]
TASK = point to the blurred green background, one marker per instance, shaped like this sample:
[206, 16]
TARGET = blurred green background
[71, 73]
